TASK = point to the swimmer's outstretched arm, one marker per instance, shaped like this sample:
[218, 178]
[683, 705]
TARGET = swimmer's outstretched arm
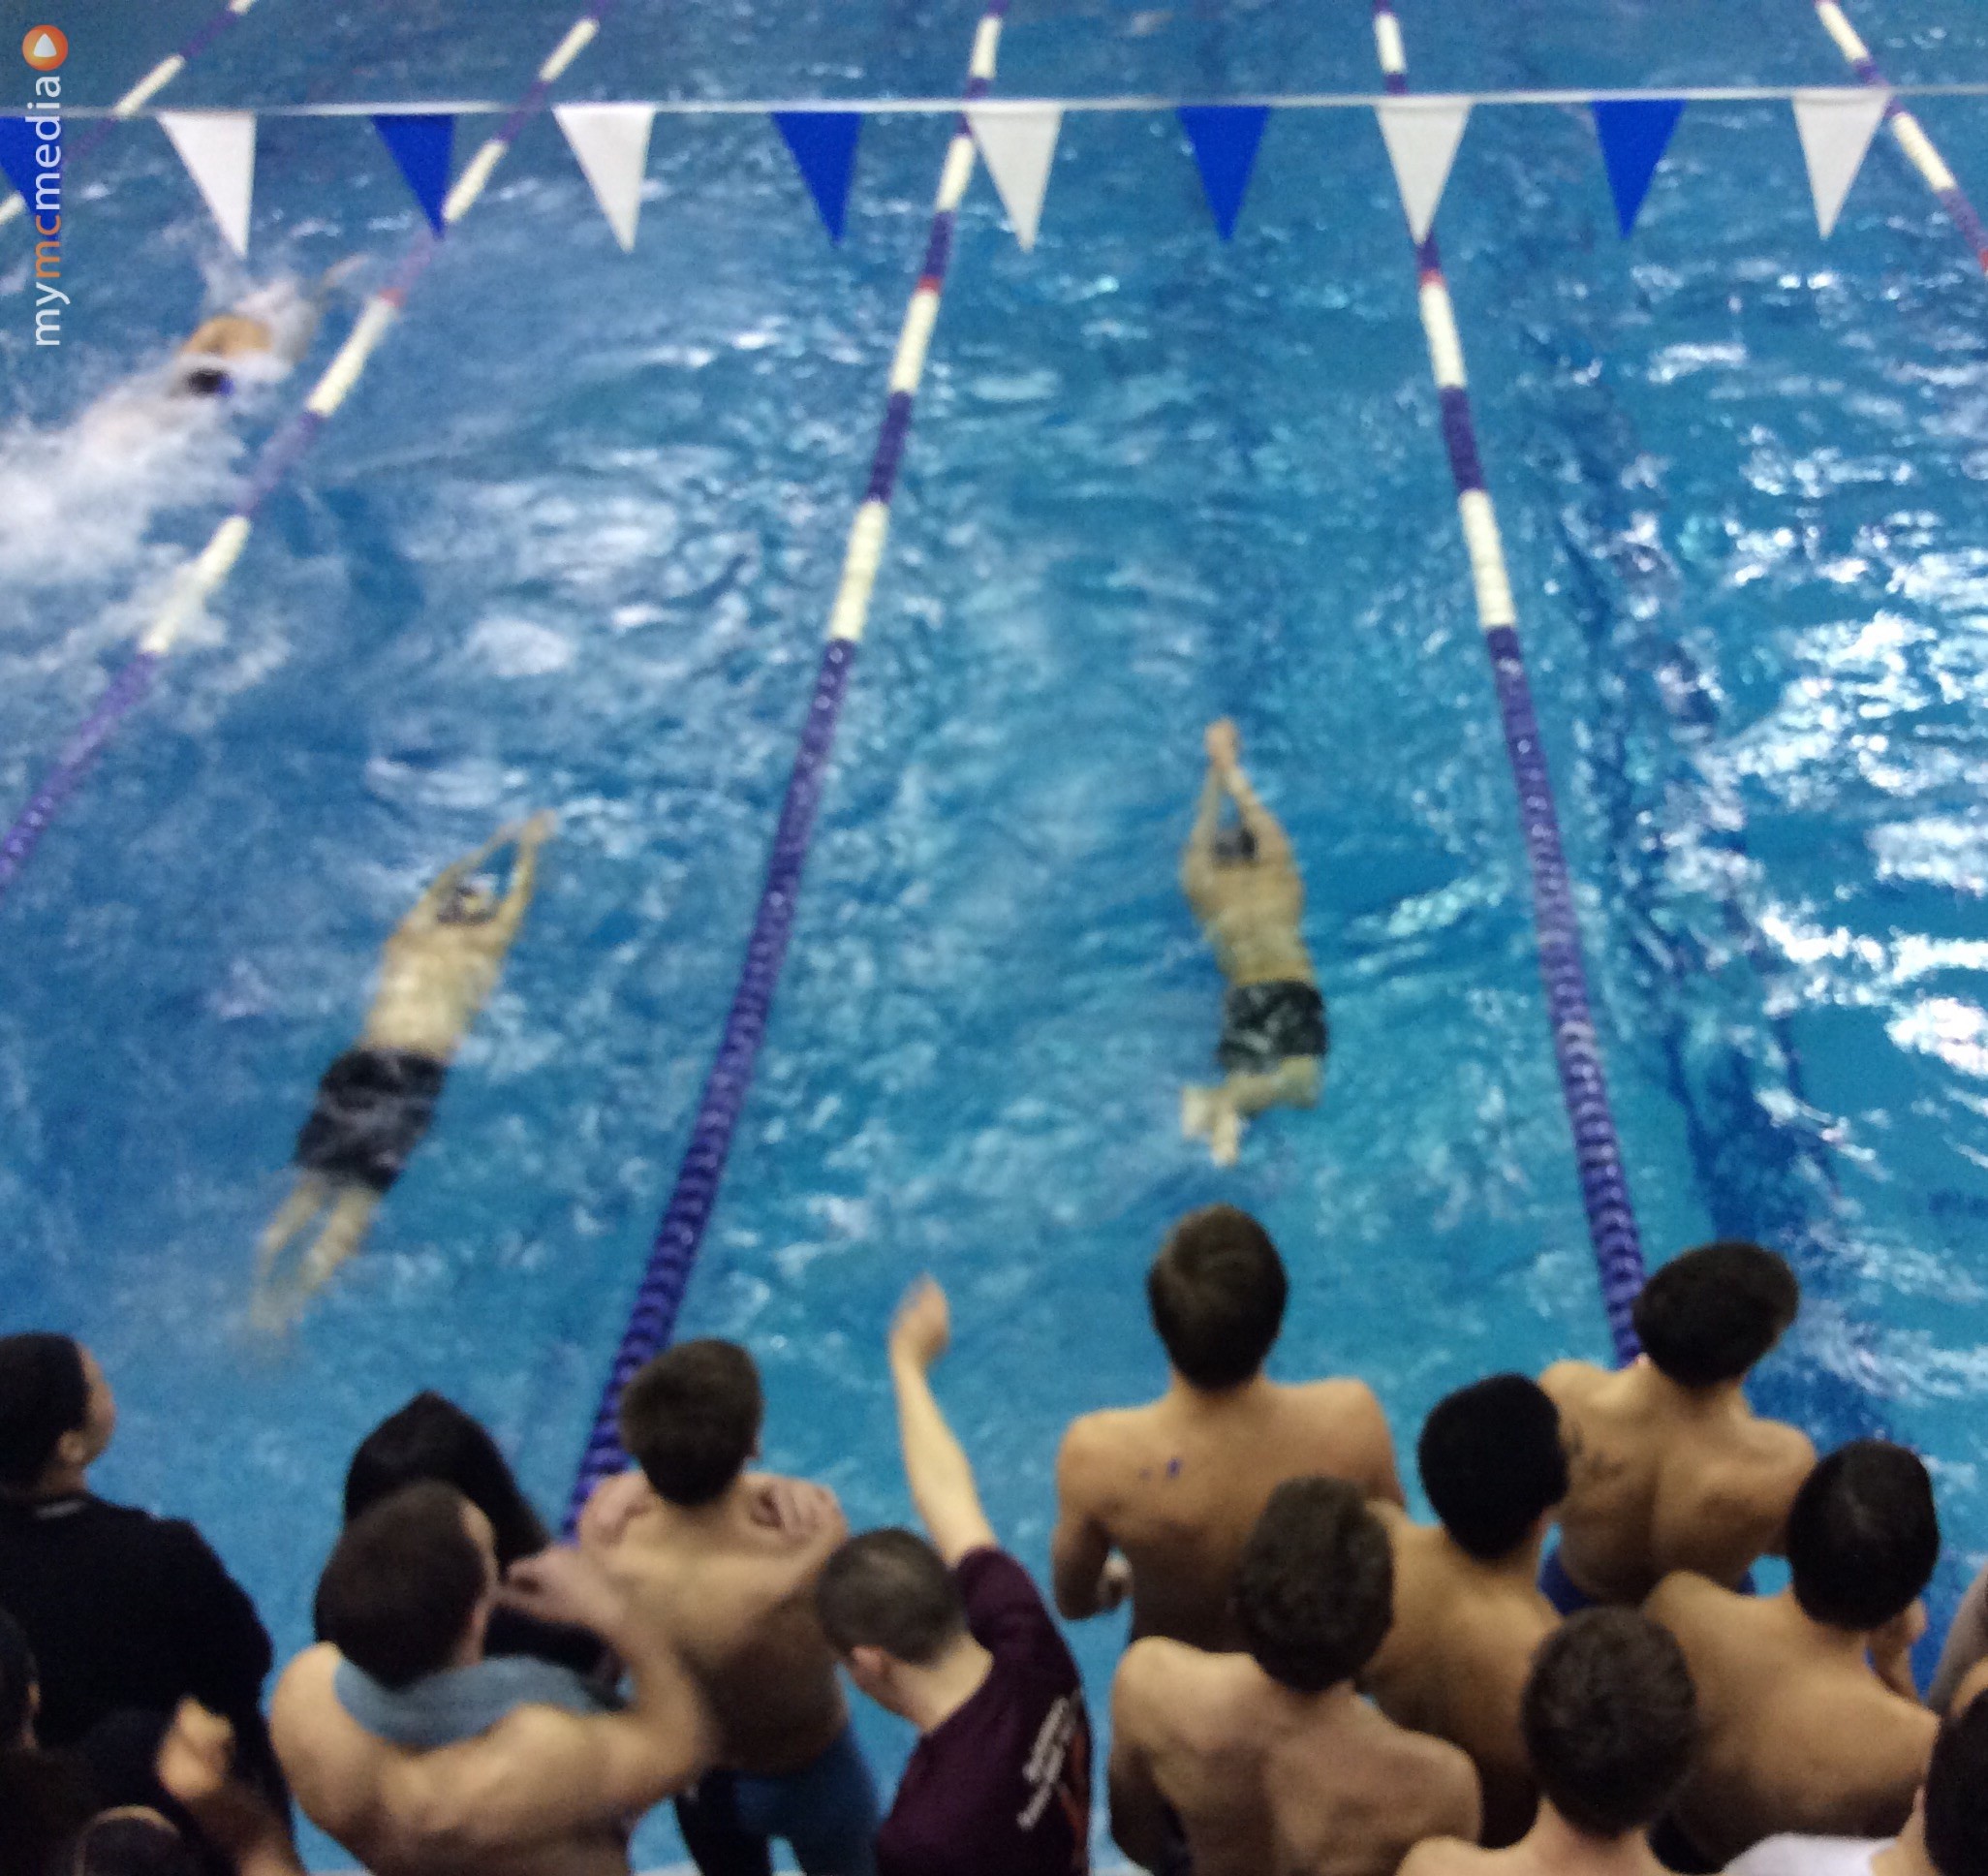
[1273, 844]
[935, 1466]
[524, 874]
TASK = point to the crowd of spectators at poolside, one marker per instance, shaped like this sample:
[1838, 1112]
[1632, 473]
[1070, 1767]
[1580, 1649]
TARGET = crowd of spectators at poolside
[1569, 1673]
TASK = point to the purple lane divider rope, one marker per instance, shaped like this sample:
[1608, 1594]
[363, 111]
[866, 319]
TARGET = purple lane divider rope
[1577, 1055]
[279, 455]
[674, 1250]
[1906, 130]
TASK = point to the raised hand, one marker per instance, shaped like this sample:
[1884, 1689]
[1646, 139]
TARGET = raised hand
[923, 1328]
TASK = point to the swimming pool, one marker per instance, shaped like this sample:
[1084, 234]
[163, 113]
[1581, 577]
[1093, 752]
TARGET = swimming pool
[573, 543]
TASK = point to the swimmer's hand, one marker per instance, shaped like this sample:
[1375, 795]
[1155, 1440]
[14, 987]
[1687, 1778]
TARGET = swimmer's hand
[923, 1328]
[561, 1585]
[195, 1765]
[614, 1503]
[1114, 1582]
[1222, 745]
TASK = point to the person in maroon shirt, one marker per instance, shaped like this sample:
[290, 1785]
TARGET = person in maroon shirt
[953, 1637]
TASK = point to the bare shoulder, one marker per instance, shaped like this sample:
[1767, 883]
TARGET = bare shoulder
[1097, 1447]
[304, 1685]
[1685, 1602]
[1785, 1450]
[1445, 1856]
[1157, 1676]
[1570, 1384]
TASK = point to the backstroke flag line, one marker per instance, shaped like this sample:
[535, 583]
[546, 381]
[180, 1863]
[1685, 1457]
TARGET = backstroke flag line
[824, 147]
[1018, 144]
[219, 150]
[1225, 139]
[421, 145]
[1634, 134]
[1421, 135]
[612, 145]
[1836, 133]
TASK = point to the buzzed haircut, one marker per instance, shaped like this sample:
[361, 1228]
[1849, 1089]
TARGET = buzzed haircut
[1492, 1462]
[1957, 1793]
[1610, 1720]
[1217, 1292]
[44, 1395]
[1315, 1590]
[1708, 1315]
[1862, 1535]
[890, 1590]
[691, 1419]
[396, 1598]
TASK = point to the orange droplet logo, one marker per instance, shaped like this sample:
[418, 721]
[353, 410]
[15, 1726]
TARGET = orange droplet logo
[45, 48]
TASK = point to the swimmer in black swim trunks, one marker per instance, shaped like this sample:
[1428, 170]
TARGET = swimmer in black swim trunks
[1244, 887]
[377, 1100]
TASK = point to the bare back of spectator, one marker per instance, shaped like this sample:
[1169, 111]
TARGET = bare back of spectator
[724, 1562]
[1269, 1761]
[1671, 1469]
[1468, 1615]
[1167, 1494]
[1810, 1722]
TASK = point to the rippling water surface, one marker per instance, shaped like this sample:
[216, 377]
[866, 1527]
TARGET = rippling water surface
[573, 541]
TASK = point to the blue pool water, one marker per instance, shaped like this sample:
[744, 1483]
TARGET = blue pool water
[573, 541]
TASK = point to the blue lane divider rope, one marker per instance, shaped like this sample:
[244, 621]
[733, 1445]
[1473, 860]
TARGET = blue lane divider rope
[675, 1251]
[1583, 1083]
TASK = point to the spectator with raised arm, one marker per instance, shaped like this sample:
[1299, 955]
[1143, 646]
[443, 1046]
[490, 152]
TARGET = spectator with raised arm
[948, 1632]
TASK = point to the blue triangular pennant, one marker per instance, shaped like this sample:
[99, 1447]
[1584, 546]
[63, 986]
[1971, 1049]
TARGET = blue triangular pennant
[824, 144]
[1224, 140]
[1634, 134]
[17, 163]
[421, 145]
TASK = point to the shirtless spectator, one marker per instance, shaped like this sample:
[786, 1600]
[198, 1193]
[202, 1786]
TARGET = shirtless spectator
[1468, 1614]
[725, 1561]
[122, 1610]
[1162, 1498]
[1235, 1765]
[1965, 1650]
[953, 1635]
[1610, 1724]
[1671, 1470]
[527, 1788]
[1809, 1724]
[1946, 1835]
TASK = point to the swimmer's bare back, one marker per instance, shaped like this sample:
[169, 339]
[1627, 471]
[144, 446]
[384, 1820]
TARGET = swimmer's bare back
[1176, 1486]
[1251, 909]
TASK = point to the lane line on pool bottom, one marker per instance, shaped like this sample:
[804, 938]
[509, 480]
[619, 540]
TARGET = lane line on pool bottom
[139, 95]
[1920, 151]
[1583, 1083]
[199, 582]
[674, 1252]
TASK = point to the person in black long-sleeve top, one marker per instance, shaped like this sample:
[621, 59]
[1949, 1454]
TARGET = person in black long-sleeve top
[123, 1609]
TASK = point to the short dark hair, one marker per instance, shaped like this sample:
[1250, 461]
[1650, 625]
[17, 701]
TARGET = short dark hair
[1610, 1720]
[44, 1395]
[400, 1588]
[1709, 1314]
[1217, 1290]
[691, 1419]
[1492, 1462]
[17, 1680]
[891, 1590]
[1862, 1535]
[1957, 1793]
[432, 1437]
[122, 1843]
[1314, 1589]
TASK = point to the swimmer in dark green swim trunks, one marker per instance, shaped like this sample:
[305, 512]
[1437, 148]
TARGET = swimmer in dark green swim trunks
[377, 1099]
[1244, 887]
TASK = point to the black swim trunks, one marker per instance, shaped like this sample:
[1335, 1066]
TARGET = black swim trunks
[373, 1107]
[1265, 1024]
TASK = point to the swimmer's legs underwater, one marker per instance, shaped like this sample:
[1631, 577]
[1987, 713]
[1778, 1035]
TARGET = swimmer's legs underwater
[351, 1212]
[1217, 1114]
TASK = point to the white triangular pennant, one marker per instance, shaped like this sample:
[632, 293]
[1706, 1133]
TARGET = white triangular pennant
[1836, 129]
[1018, 143]
[219, 150]
[1422, 135]
[613, 144]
